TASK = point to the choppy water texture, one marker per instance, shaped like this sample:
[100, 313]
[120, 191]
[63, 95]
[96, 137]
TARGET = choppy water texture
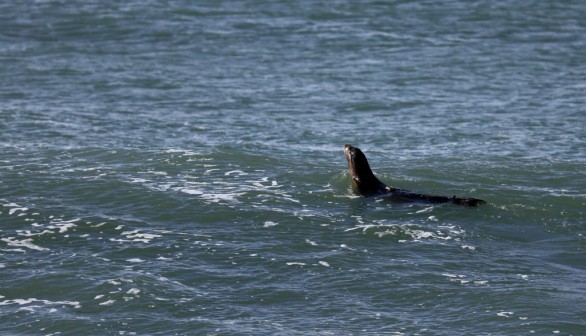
[176, 167]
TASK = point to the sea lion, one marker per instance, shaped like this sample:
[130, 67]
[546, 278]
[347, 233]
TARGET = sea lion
[366, 184]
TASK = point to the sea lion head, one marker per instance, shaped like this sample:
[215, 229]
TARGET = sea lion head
[363, 179]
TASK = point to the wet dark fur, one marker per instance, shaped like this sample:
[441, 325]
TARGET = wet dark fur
[366, 184]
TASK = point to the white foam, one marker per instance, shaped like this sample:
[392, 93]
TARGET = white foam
[191, 191]
[17, 301]
[449, 275]
[138, 180]
[407, 229]
[21, 302]
[140, 237]
[173, 150]
[120, 240]
[235, 172]
[13, 210]
[11, 241]
[428, 209]
[269, 224]
[323, 263]
[28, 233]
[310, 242]
[504, 314]
[183, 152]
[420, 234]
[291, 199]
[63, 226]
[133, 291]
[215, 198]
[107, 303]
[363, 227]
[296, 264]
[456, 278]
[135, 260]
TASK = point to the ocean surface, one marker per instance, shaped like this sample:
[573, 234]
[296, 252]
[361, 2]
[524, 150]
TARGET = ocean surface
[176, 167]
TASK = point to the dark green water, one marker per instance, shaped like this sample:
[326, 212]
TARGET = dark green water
[176, 167]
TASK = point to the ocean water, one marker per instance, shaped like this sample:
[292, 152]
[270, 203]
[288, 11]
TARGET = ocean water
[176, 167]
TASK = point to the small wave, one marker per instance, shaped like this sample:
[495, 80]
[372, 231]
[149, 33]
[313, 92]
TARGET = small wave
[137, 236]
[27, 243]
[408, 232]
[463, 279]
[29, 301]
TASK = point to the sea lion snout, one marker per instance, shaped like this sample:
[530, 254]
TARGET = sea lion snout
[350, 152]
[347, 149]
